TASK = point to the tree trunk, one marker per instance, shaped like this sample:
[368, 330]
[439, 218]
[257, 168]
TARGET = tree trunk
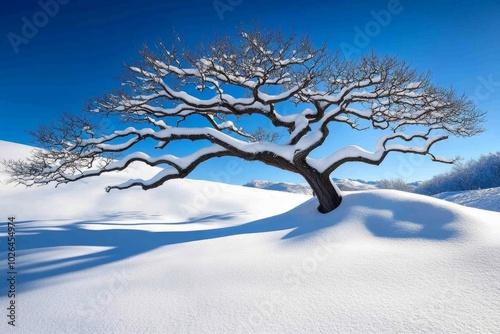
[328, 195]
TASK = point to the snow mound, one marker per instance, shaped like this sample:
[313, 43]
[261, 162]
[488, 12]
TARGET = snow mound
[486, 199]
[204, 257]
[14, 151]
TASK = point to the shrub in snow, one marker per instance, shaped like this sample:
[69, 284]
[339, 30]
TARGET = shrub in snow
[397, 184]
[474, 174]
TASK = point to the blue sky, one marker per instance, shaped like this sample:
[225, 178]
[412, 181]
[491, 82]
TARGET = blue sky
[78, 51]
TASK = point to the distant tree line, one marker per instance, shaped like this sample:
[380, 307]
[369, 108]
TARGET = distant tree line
[471, 175]
[397, 184]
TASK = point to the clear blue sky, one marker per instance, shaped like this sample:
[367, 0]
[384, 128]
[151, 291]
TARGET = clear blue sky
[78, 51]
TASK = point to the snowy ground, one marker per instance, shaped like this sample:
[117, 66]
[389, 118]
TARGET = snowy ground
[201, 257]
[486, 199]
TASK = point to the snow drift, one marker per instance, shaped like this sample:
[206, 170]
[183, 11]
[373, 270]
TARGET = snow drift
[486, 199]
[203, 257]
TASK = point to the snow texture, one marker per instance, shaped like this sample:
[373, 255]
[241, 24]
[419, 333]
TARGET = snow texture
[204, 257]
[487, 199]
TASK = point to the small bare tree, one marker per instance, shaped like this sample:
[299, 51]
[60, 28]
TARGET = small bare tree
[254, 76]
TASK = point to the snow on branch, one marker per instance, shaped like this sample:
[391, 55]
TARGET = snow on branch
[181, 167]
[355, 153]
[211, 94]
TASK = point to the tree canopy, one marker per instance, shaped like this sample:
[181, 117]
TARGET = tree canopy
[252, 75]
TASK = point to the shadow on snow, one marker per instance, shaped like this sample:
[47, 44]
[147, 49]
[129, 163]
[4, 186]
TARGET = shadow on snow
[383, 218]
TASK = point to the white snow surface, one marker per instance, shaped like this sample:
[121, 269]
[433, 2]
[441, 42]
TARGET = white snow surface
[487, 199]
[204, 257]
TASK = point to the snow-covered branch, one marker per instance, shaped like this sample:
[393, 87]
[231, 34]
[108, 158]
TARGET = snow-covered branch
[181, 167]
[218, 94]
[355, 153]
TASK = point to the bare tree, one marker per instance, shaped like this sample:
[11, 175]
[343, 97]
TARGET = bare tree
[256, 75]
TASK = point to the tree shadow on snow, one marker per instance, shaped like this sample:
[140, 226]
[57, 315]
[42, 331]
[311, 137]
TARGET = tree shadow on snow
[404, 220]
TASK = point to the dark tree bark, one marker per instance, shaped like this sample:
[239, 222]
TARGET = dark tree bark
[270, 73]
[329, 196]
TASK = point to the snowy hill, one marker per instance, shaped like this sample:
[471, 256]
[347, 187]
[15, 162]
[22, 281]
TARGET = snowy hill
[486, 199]
[10, 150]
[343, 184]
[203, 257]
